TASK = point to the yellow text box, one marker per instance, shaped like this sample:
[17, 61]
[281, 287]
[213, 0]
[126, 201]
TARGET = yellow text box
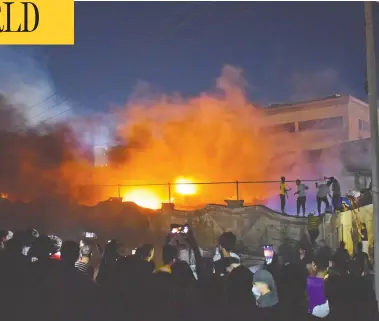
[37, 22]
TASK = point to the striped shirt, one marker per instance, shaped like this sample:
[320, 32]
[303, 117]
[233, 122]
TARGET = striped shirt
[85, 268]
[312, 222]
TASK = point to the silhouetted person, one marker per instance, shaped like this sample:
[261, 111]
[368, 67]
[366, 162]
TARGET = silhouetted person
[226, 247]
[70, 253]
[336, 193]
[301, 196]
[266, 288]
[146, 253]
[83, 264]
[364, 238]
[108, 262]
[322, 197]
[317, 301]
[313, 230]
[169, 257]
[283, 193]
[341, 259]
[351, 296]
[362, 258]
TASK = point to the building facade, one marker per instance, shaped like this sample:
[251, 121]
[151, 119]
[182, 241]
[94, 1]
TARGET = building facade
[320, 123]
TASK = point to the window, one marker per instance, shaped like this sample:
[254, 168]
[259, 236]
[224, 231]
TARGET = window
[321, 124]
[287, 127]
[363, 125]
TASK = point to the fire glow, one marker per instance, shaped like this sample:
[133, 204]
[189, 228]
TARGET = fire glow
[212, 138]
[143, 197]
[147, 198]
[184, 186]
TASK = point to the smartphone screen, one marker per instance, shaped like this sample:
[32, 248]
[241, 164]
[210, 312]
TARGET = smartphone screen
[268, 252]
[90, 235]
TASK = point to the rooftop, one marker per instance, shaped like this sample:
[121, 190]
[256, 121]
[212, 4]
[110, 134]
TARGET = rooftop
[304, 102]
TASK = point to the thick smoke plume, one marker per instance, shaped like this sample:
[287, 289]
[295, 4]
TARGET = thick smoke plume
[214, 137]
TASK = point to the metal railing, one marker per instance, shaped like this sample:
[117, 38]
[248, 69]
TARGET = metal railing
[237, 185]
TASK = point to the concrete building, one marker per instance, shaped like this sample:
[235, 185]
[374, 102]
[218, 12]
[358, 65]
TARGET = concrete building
[320, 123]
[100, 156]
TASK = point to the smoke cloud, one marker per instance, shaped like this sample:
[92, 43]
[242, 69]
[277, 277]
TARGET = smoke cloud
[155, 138]
[26, 84]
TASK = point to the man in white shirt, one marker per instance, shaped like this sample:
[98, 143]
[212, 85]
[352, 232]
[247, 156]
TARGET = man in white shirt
[322, 196]
[301, 196]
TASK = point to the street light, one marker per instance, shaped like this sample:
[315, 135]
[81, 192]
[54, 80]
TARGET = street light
[372, 97]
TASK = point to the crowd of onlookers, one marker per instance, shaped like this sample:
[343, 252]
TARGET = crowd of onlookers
[44, 279]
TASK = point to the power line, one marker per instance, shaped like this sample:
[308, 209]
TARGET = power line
[169, 31]
[42, 101]
[49, 108]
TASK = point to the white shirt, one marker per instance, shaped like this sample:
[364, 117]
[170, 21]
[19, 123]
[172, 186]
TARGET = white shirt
[302, 190]
[322, 190]
[217, 256]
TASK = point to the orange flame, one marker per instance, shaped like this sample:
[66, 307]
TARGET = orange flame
[143, 197]
[184, 186]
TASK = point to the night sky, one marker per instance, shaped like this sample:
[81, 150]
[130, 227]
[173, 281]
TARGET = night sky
[289, 51]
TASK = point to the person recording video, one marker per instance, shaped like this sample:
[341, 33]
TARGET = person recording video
[225, 259]
[188, 251]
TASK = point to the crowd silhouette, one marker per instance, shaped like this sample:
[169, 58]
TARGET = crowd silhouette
[44, 280]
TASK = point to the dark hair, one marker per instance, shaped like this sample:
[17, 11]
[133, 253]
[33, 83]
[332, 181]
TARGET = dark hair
[70, 252]
[227, 240]
[239, 284]
[86, 251]
[42, 247]
[321, 261]
[282, 178]
[169, 253]
[182, 272]
[356, 267]
[144, 251]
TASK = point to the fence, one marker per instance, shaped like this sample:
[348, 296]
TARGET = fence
[249, 191]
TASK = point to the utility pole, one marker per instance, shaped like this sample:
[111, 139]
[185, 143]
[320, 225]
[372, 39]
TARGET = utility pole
[372, 97]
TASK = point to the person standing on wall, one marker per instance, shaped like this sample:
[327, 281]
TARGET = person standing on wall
[364, 238]
[301, 196]
[336, 193]
[283, 193]
[322, 197]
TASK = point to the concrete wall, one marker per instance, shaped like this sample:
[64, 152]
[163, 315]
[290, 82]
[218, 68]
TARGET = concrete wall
[342, 227]
[255, 226]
